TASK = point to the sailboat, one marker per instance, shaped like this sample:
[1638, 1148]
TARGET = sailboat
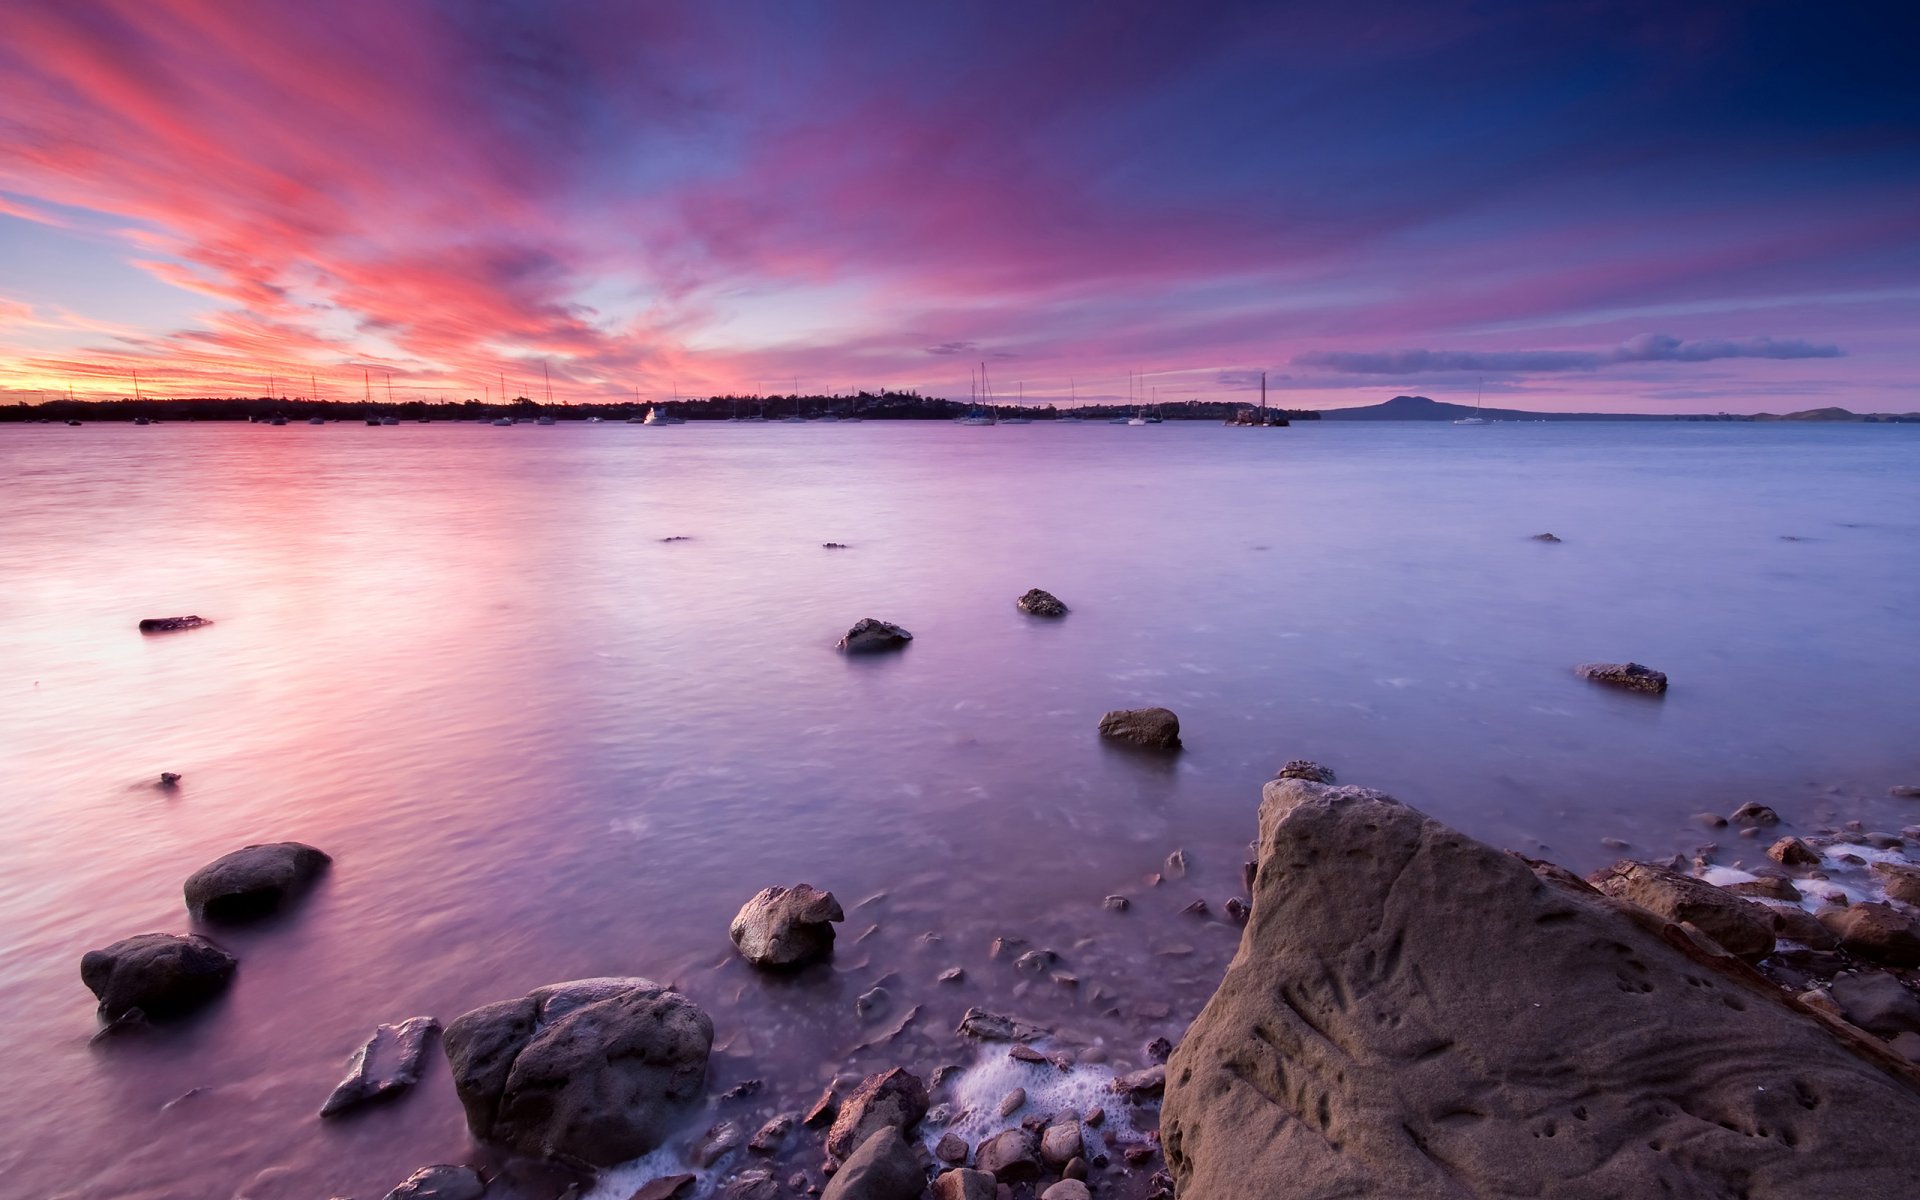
[977, 415]
[546, 418]
[1476, 418]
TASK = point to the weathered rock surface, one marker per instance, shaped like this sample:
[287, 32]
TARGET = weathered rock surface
[786, 927]
[1412, 1013]
[665, 1187]
[1901, 881]
[962, 1184]
[1067, 1189]
[1037, 603]
[161, 974]
[389, 1062]
[443, 1182]
[253, 881]
[891, 1099]
[993, 1027]
[597, 1069]
[1156, 728]
[1792, 852]
[1307, 769]
[1879, 932]
[868, 636]
[1753, 814]
[171, 624]
[1877, 1003]
[1008, 1156]
[1630, 675]
[1744, 929]
[883, 1167]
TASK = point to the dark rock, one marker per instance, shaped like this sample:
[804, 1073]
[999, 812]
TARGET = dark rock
[1792, 852]
[872, 1002]
[1158, 1050]
[715, 1144]
[746, 1089]
[666, 1187]
[1009, 1157]
[1060, 1141]
[169, 779]
[1879, 932]
[1237, 910]
[1197, 909]
[951, 1148]
[992, 1027]
[389, 1062]
[1545, 537]
[253, 881]
[786, 927]
[952, 975]
[599, 1070]
[1727, 919]
[965, 1185]
[1075, 1169]
[1877, 1002]
[1799, 925]
[1035, 962]
[1306, 769]
[882, 1167]
[1156, 728]
[1900, 881]
[1710, 820]
[440, 1183]
[834, 546]
[1909, 791]
[1413, 1013]
[822, 1112]
[1175, 866]
[171, 624]
[869, 635]
[678, 537]
[1116, 904]
[767, 1139]
[161, 974]
[1772, 887]
[894, 1098]
[1148, 1081]
[1067, 1189]
[1751, 813]
[1037, 603]
[1631, 676]
[757, 1183]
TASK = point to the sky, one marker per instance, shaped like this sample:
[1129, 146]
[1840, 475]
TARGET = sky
[1691, 207]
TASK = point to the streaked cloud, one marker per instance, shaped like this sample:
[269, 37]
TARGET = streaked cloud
[1645, 348]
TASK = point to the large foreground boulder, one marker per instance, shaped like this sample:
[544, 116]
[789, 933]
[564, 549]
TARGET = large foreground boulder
[599, 1070]
[1412, 1013]
[786, 927]
[161, 974]
[253, 881]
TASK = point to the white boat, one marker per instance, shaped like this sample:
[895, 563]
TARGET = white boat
[389, 420]
[503, 421]
[544, 420]
[976, 416]
[659, 416]
[1475, 419]
[1136, 420]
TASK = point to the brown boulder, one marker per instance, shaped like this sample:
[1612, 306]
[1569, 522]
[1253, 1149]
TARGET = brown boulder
[1792, 852]
[1738, 925]
[1900, 881]
[1009, 1157]
[1412, 1013]
[962, 1184]
[786, 927]
[1155, 728]
[895, 1099]
[883, 1167]
[1879, 932]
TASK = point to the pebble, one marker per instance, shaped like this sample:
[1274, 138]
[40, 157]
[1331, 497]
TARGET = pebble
[953, 975]
[1117, 904]
[1013, 1102]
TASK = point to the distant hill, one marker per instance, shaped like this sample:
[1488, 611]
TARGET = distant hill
[1420, 408]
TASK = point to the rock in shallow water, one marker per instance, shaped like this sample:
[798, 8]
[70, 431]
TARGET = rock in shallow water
[786, 927]
[1743, 928]
[389, 1062]
[1413, 1013]
[598, 1069]
[894, 1098]
[161, 974]
[253, 881]
[1156, 728]
[171, 624]
[442, 1182]
[962, 1184]
[1629, 675]
[869, 636]
[1879, 932]
[1038, 603]
[882, 1168]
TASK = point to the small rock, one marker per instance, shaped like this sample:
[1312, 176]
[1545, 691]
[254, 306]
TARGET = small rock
[169, 779]
[1237, 910]
[389, 1062]
[1792, 852]
[1095, 1117]
[1614, 843]
[678, 537]
[871, 1002]
[1075, 1169]
[1008, 1157]
[1545, 537]
[1060, 1142]
[1175, 867]
[1035, 962]
[1013, 1102]
[665, 1187]
[158, 973]
[965, 1185]
[443, 1182]
[834, 546]
[1197, 909]
[1301, 768]
[952, 975]
[786, 927]
[1630, 675]
[1772, 887]
[1116, 904]
[951, 1148]
[714, 1145]
[992, 1027]
[1908, 791]
[768, 1137]
[869, 636]
[1157, 728]
[172, 624]
[894, 1098]
[1150, 1081]
[1750, 814]
[744, 1090]
[1740, 926]
[883, 1167]
[1159, 1050]
[757, 1183]
[822, 1112]
[1710, 820]
[1037, 603]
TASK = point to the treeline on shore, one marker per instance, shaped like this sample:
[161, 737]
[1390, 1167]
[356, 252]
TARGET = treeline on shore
[868, 406]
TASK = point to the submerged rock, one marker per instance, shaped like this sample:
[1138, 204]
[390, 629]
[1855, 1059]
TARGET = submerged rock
[171, 624]
[1545, 537]
[1792, 852]
[1739, 925]
[253, 881]
[891, 1099]
[600, 1070]
[1901, 882]
[1037, 603]
[161, 974]
[882, 1168]
[389, 1062]
[869, 635]
[1630, 675]
[1413, 1013]
[786, 927]
[444, 1182]
[1157, 728]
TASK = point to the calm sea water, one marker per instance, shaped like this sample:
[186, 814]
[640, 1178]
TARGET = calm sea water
[543, 743]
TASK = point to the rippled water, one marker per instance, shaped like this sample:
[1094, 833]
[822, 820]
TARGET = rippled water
[543, 743]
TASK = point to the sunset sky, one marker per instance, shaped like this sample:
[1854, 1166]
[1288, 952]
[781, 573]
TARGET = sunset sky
[1659, 207]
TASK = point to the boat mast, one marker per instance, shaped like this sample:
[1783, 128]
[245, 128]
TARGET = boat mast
[549, 378]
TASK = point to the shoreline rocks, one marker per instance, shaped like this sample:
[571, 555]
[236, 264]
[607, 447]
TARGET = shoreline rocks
[782, 928]
[1414, 1013]
[1743, 929]
[159, 974]
[599, 1070]
[1154, 728]
[894, 1099]
[389, 1062]
[1631, 676]
[1039, 603]
[253, 881]
[870, 636]
[171, 624]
